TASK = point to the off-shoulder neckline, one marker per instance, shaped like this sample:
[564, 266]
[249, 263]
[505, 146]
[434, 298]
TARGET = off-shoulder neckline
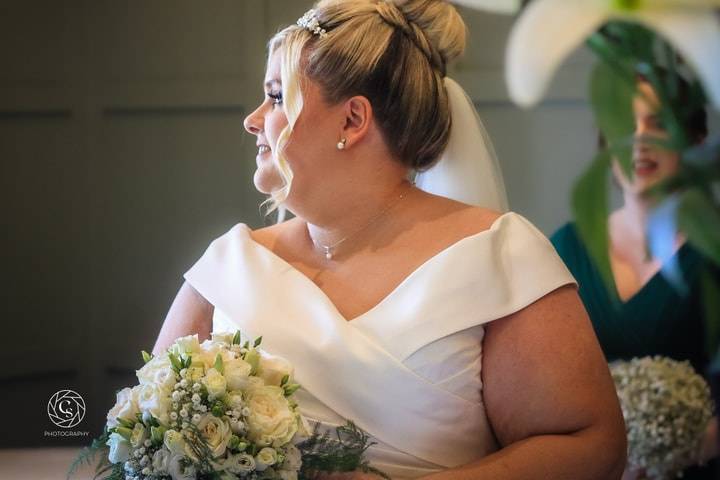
[494, 227]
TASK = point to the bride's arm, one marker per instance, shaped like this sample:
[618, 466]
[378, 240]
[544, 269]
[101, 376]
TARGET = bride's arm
[190, 313]
[549, 397]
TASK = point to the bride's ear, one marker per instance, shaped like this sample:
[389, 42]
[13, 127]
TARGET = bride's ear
[358, 119]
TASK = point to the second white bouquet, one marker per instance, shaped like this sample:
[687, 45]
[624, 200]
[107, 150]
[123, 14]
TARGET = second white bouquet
[667, 407]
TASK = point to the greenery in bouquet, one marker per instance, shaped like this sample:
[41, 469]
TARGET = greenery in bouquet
[342, 452]
[217, 410]
[667, 407]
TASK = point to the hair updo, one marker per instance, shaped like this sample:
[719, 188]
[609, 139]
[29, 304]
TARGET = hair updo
[394, 53]
[691, 110]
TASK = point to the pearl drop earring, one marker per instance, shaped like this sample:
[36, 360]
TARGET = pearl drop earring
[341, 144]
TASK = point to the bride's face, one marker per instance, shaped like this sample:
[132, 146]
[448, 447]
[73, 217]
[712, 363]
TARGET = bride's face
[311, 149]
[266, 123]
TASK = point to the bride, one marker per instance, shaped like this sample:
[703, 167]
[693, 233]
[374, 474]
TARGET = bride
[451, 333]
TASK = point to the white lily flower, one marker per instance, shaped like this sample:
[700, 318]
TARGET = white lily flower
[495, 6]
[549, 30]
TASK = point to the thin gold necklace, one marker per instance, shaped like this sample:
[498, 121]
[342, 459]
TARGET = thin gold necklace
[329, 249]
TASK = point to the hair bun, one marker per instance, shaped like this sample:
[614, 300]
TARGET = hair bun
[439, 21]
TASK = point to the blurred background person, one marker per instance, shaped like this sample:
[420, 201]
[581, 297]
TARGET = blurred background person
[648, 314]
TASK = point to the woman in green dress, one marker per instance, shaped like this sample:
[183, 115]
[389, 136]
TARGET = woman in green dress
[652, 317]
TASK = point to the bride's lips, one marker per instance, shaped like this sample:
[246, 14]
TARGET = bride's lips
[644, 167]
[263, 150]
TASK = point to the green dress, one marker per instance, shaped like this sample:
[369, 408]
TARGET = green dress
[657, 320]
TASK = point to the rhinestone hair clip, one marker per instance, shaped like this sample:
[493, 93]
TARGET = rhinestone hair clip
[310, 22]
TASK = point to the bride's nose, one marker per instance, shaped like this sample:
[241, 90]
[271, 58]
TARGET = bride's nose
[254, 123]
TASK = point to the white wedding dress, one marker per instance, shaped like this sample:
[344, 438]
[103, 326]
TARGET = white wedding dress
[408, 370]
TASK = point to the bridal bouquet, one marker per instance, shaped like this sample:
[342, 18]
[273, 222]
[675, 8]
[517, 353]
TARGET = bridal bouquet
[219, 409]
[667, 407]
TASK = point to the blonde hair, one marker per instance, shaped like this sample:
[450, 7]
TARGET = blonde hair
[394, 53]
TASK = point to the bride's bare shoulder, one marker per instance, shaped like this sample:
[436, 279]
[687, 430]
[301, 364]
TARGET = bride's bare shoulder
[461, 218]
[482, 218]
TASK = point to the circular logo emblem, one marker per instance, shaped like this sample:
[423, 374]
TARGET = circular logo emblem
[66, 408]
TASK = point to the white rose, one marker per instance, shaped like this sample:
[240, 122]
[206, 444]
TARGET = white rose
[271, 421]
[208, 351]
[119, 448]
[237, 426]
[125, 407]
[272, 369]
[237, 372]
[240, 463]
[158, 371]
[222, 337]
[154, 400]
[215, 383]
[139, 435]
[185, 345]
[161, 460]
[196, 372]
[234, 400]
[174, 442]
[253, 383]
[178, 472]
[216, 433]
[265, 458]
[211, 349]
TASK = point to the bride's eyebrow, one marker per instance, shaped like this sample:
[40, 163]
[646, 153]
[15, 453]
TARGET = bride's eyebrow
[272, 83]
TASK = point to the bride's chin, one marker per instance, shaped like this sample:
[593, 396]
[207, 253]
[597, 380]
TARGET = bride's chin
[266, 181]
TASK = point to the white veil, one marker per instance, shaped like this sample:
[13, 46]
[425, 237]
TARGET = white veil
[468, 170]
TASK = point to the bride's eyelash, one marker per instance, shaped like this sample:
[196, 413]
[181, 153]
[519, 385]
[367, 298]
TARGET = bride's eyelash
[276, 97]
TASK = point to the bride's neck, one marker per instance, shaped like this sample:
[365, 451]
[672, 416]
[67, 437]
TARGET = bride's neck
[349, 216]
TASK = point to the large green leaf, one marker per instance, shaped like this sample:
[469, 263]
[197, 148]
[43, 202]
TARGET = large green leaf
[611, 94]
[590, 209]
[699, 219]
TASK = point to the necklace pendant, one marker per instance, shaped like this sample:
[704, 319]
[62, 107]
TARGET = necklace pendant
[328, 254]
